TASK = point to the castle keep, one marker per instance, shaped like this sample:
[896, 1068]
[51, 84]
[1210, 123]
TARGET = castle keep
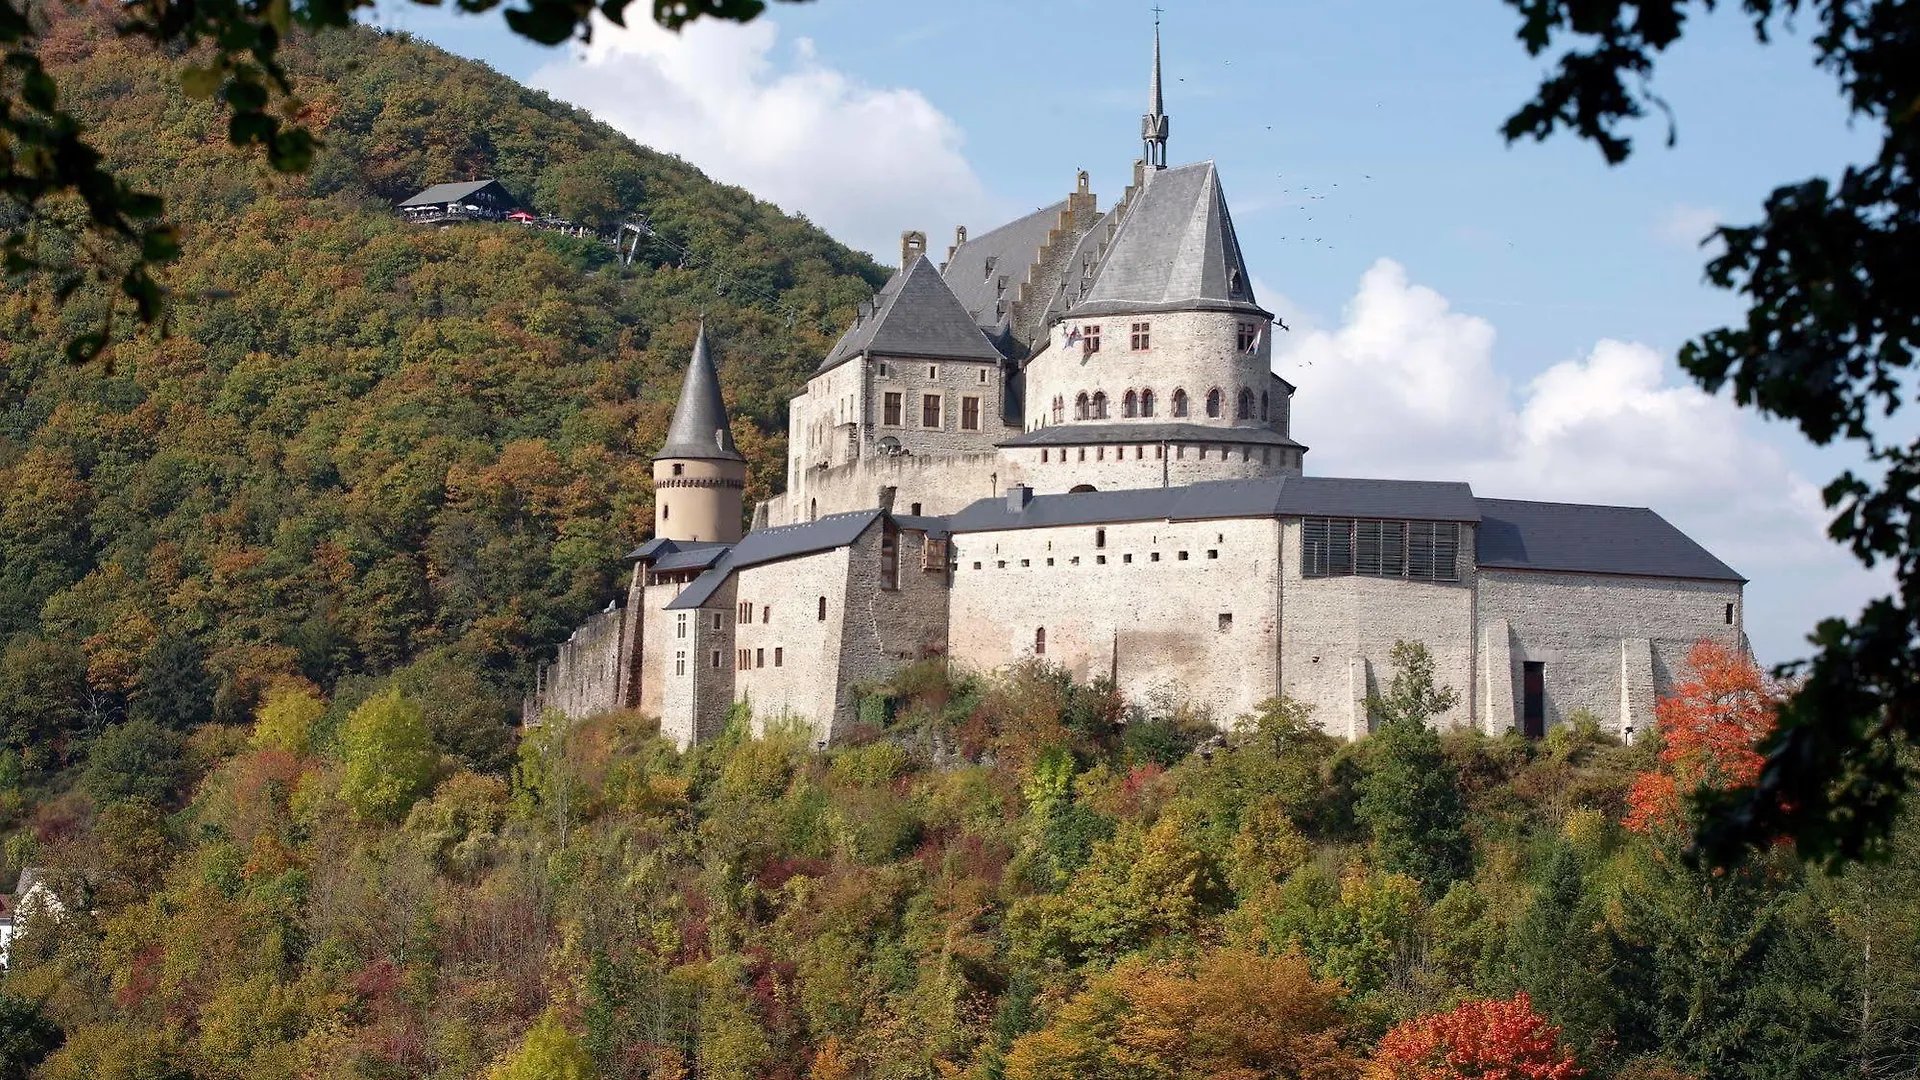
[1065, 440]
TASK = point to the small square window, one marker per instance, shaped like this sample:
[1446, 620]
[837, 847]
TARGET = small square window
[1026, 562]
[1049, 562]
[1075, 561]
[1127, 558]
[1183, 556]
[1001, 565]
[1226, 621]
[1153, 557]
[1213, 553]
[1100, 559]
[976, 566]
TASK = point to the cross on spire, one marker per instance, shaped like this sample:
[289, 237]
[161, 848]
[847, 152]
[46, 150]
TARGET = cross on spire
[1154, 125]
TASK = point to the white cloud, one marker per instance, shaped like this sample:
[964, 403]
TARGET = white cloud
[1406, 386]
[863, 162]
[1685, 226]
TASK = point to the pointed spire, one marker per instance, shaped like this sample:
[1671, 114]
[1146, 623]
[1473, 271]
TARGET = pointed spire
[699, 428]
[1154, 125]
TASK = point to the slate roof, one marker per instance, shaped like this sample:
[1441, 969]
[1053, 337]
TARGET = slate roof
[1135, 431]
[1176, 249]
[1285, 496]
[699, 428]
[1579, 538]
[1013, 247]
[448, 193]
[772, 545]
[917, 315]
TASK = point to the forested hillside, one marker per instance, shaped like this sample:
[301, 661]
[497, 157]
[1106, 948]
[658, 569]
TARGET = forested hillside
[365, 447]
[1013, 878]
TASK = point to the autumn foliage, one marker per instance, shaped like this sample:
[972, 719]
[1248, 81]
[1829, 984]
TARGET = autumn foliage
[1479, 1040]
[1709, 728]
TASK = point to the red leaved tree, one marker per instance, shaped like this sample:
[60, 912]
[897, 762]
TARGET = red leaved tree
[1478, 1040]
[1709, 726]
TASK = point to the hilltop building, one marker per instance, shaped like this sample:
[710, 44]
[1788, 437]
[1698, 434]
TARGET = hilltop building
[1066, 440]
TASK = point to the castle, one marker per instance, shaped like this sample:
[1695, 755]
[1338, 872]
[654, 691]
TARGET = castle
[1065, 440]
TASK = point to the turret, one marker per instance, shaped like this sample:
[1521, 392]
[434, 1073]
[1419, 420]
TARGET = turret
[1154, 125]
[699, 477]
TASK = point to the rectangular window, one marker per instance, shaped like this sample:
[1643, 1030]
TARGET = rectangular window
[1729, 614]
[1089, 340]
[759, 658]
[716, 622]
[883, 369]
[1226, 621]
[933, 554]
[933, 372]
[680, 625]
[779, 655]
[970, 414]
[983, 376]
[929, 410]
[1249, 333]
[680, 662]
[890, 409]
[890, 555]
[1419, 550]
[1139, 338]
[716, 659]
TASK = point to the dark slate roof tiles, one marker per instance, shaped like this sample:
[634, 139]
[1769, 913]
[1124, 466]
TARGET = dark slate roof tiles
[919, 316]
[1012, 247]
[1285, 496]
[447, 193]
[772, 545]
[1135, 431]
[1581, 538]
[699, 429]
[1176, 249]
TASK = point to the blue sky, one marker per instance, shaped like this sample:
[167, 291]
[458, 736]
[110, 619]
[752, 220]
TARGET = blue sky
[1506, 315]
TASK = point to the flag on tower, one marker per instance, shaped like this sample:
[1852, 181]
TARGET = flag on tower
[1258, 336]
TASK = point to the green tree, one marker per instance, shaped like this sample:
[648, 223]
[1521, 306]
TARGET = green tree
[287, 719]
[1559, 955]
[175, 687]
[389, 757]
[26, 1037]
[549, 1052]
[137, 760]
[43, 696]
[1409, 796]
[1831, 333]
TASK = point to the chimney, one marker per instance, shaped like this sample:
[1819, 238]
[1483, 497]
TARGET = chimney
[886, 498]
[959, 237]
[913, 244]
[1018, 496]
[861, 312]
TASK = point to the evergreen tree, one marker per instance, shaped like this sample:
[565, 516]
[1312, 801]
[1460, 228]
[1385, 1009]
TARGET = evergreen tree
[1559, 958]
[1409, 796]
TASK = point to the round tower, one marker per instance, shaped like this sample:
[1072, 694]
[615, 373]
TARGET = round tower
[699, 477]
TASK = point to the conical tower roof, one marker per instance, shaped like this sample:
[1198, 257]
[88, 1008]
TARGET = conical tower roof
[699, 428]
[1176, 250]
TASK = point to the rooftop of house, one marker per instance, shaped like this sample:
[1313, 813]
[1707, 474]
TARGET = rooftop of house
[447, 193]
[914, 314]
[1175, 250]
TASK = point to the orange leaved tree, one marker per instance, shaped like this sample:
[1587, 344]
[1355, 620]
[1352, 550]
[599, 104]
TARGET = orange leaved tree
[1478, 1040]
[1709, 727]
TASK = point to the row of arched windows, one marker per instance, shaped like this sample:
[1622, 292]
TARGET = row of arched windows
[1141, 403]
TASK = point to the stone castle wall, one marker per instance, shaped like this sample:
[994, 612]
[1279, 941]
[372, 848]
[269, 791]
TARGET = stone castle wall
[938, 485]
[587, 674]
[1194, 351]
[1132, 606]
[792, 655]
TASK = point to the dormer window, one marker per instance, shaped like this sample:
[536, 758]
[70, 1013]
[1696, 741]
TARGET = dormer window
[988, 276]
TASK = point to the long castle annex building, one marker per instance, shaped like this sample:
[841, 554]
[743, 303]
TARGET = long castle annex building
[1065, 440]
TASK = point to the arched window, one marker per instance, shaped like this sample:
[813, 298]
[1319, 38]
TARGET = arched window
[1080, 489]
[665, 511]
[1080, 406]
[1040, 641]
[1180, 403]
[1146, 403]
[813, 509]
[1245, 411]
[823, 609]
[1099, 404]
[1213, 403]
[1130, 405]
[1059, 408]
[1263, 405]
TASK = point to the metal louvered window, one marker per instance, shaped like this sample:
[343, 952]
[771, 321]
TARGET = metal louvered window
[1417, 550]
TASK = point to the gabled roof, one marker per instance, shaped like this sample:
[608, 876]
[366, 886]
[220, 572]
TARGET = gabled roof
[1580, 538]
[916, 315]
[772, 545]
[1176, 249]
[1285, 496]
[1012, 247]
[699, 428]
[446, 193]
[660, 546]
[1137, 431]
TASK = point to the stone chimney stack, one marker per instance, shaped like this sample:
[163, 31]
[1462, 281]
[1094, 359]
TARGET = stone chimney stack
[959, 237]
[913, 244]
[1018, 496]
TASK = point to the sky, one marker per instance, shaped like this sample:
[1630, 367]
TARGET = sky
[1458, 308]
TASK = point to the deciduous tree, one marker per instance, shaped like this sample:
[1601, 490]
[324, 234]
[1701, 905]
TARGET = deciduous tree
[1709, 726]
[1478, 1040]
